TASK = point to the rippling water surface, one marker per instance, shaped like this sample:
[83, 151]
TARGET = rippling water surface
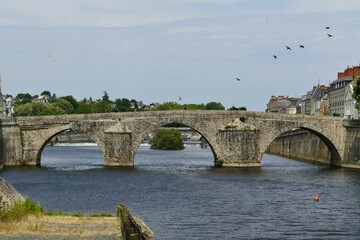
[180, 195]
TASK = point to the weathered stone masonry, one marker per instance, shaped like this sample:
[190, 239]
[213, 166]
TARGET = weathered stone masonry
[236, 138]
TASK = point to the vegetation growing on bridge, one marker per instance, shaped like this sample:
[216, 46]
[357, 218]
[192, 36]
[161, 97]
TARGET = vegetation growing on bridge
[167, 139]
[26, 104]
[356, 93]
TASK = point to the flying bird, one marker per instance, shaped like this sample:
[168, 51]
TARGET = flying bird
[238, 79]
[180, 98]
[288, 48]
[274, 56]
[327, 28]
[329, 35]
[301, 46]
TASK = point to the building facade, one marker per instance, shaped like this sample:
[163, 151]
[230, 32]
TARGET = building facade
[314, 102]
[340, 95]
[282, 104]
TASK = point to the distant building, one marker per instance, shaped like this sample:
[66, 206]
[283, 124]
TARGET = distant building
[282, 104]
[339, 93]
[42, 98]
[314, 102]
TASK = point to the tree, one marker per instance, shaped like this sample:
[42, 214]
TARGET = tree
[102, 107]
[356, 93]
[85, 107]
[170, 106]
[123, 105]
[105, 97]
[134, 103]
[52, 110]
[23, 96]
[30, 109]
[239, 108]
[214, 106]
[65, 105]
[167, 139]
[72, 100]
[47, 93]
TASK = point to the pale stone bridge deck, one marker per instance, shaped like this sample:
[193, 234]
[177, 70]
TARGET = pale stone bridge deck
[236, 138]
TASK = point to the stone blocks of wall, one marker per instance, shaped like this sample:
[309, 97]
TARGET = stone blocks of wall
[8, 194]
[301, 145]
[132, 228]
[12, 149]
[239, 148]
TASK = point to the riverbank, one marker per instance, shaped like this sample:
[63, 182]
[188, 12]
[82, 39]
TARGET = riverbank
[61, 227]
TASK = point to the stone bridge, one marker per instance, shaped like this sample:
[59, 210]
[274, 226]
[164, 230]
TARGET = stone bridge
[236, 138]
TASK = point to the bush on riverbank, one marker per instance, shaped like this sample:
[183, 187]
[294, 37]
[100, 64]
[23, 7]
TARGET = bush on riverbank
[20, 209]
[167, 139]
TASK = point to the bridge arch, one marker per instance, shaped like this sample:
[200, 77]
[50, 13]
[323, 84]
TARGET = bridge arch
[140, 135]
[335, 157]
[37, 142]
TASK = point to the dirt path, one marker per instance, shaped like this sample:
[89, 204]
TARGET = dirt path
[61, 227]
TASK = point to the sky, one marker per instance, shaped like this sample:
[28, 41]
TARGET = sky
[157, 51]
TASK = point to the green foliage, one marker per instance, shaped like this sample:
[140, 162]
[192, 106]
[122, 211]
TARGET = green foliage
[71, 100]
[219, 163]
[194, 106]
[101, 215]
[166, 106]
[123, 105]
[170, 106]
[105, 97]
[356, 92]
[24, 106]
[47, 93]
[37, 109]
[23, 98]
[52, 110]
[214, 106]
[65, 105]
[239, 108]
[21, 209]
[94, 107]
[167, 139]
[242, 118]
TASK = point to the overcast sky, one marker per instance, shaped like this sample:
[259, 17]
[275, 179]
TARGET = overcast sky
[158, 50]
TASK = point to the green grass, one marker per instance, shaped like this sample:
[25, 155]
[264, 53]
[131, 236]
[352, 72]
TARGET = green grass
[21, 209]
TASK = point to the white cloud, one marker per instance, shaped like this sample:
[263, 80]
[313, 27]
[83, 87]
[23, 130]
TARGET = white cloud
[198, 30]
[311, 6]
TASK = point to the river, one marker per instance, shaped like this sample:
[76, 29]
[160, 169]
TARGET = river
[180, 195]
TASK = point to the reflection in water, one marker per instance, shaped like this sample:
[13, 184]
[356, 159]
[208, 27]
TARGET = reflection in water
[180, 195]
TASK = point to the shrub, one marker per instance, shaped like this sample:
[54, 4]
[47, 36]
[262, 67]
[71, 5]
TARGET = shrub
[21, 209]
[167, 139]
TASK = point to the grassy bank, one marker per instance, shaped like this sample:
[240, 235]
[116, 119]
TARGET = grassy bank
[28, 220]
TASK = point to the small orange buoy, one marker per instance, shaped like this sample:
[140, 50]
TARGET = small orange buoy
[316, 197]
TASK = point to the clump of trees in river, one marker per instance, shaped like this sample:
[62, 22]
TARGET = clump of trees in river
[46, 103]
[167, 139]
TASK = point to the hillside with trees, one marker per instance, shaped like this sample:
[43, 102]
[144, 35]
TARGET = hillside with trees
[48, 103]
